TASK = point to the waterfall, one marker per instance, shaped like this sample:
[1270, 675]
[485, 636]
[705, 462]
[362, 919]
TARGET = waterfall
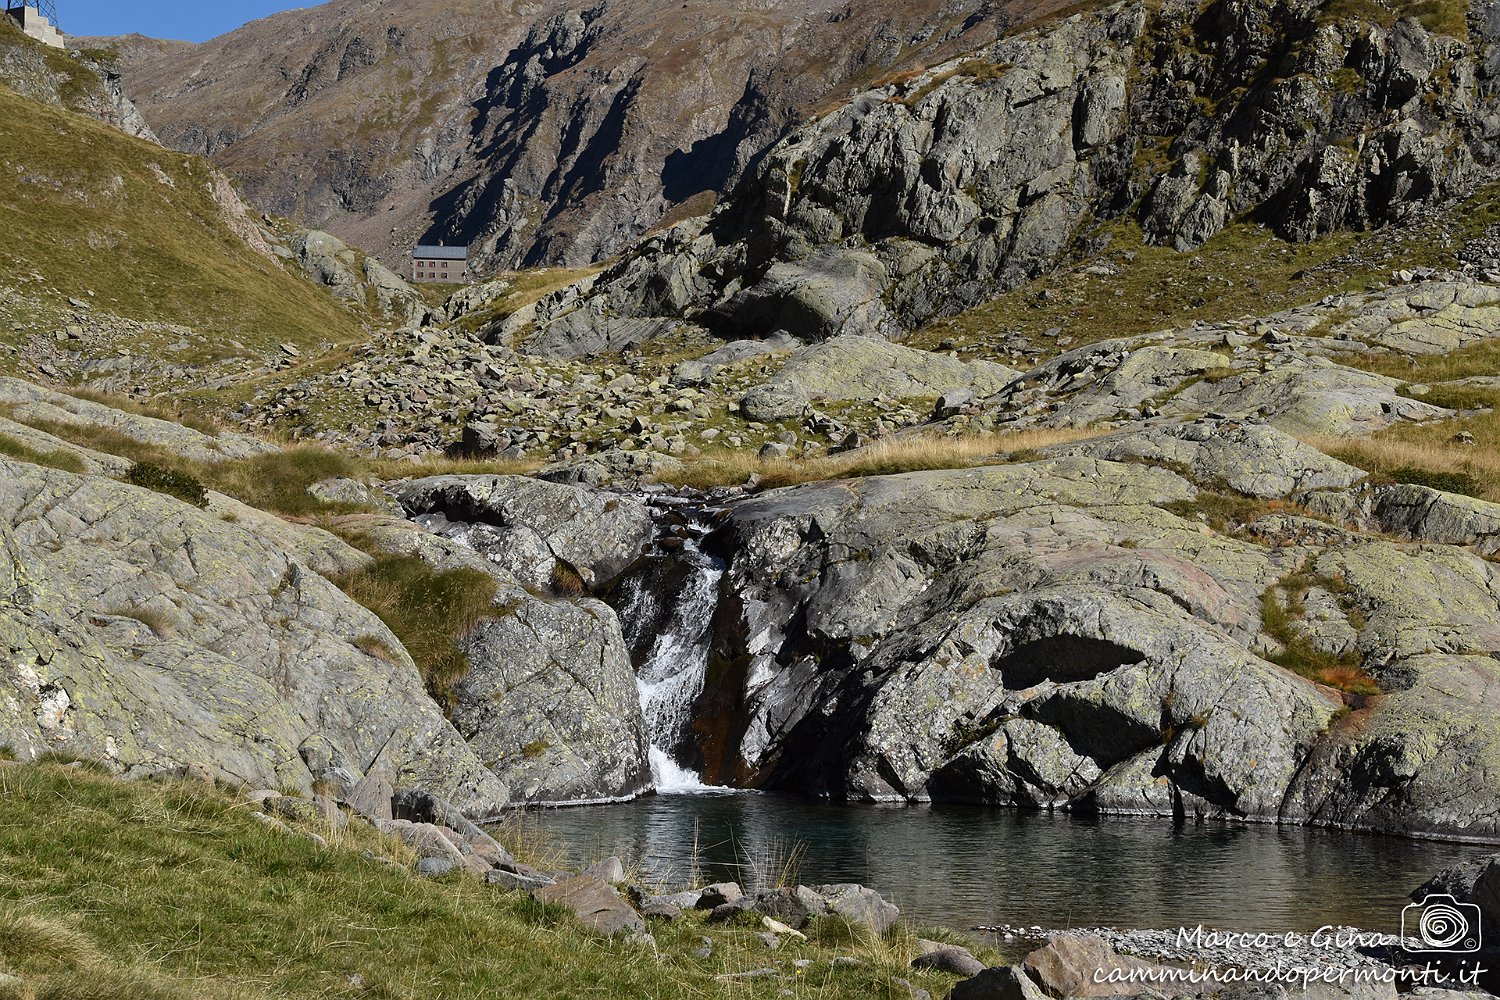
[667, 612]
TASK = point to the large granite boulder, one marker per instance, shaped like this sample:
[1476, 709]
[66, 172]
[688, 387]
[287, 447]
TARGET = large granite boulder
[856, 367]
[1070, 633]
[535, 529]
[1255, 460]
[151, 635]
[550, 702]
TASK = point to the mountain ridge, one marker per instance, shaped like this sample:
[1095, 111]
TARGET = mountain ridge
[556, 140]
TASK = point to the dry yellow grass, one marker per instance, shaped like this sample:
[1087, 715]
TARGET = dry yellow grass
[890, 456]
[1428, 456]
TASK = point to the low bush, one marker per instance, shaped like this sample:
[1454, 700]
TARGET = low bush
[170, 481]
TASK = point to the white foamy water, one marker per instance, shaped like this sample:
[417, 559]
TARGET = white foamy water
[672, 676]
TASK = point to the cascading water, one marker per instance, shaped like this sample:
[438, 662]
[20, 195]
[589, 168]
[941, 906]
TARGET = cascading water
[667, 613]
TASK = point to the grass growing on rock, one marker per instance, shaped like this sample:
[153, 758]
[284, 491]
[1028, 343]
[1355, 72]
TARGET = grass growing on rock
[430, 611]
[169, 891]
[277, 481]
[66, 461]
[1132, 288]
[1282, 606]
[890, 456]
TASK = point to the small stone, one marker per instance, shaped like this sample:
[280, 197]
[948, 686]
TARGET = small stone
[435, 867]
[774, 450]
[718, 894]
[951, 959]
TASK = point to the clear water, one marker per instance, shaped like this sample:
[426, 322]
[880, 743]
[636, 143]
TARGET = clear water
[962, 867]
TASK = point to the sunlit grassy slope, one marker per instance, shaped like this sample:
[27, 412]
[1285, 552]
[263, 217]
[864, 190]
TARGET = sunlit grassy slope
[166, 891]
[134, 229]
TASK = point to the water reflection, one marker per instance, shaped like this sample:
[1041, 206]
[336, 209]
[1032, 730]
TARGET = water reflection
[963, 866]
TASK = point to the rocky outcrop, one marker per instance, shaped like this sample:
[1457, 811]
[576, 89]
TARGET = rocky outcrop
[968, 179]
[556, 135]
[77, 83]
[1253, 460]
[30, 403]
[924, 197]
[536, 530]
[149, 635]
[1066, 633]
[865, 368]
[358, 279]
[550, 702]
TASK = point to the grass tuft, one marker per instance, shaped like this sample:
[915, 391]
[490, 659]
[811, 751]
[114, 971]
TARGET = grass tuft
[430, 611]
[58, 459]
[172, 482]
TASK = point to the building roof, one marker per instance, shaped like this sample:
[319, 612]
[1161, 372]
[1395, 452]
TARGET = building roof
[442, 253]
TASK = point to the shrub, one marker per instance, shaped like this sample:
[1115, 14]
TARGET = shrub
[169, 481]
[278, 481]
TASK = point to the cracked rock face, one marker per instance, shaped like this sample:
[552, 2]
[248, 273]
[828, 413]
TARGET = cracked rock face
[1063, 633]
[152, 635]
[926, 196]
[531, 527]
[550, 702]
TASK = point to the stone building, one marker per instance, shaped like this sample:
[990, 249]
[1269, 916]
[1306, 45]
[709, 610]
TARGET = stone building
[440, 263]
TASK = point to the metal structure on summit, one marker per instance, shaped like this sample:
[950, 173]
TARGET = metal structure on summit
[47, 8]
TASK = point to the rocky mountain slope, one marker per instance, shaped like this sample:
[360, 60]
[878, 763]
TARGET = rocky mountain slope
[126, 259]
[1237, 564]
[554, 135]
[932, 194]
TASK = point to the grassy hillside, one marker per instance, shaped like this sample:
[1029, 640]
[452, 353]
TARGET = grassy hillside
[135, 230]
[167, 891]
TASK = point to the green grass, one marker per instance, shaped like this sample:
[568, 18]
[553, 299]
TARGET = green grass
[1443, 17]
[1245, 270]
[172, 482]
[58, 459]
[119, 891]
[430, 611]
[78, 87]
[1282, 606]
[134, 229]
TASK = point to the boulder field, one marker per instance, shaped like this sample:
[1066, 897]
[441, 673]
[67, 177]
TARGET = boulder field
[1178, 616]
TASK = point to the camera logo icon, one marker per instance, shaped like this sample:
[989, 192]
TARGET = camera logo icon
[1441, 924]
